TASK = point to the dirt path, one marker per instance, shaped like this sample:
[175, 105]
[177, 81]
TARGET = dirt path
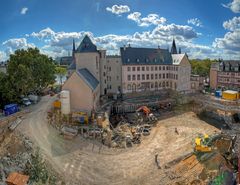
[80, 162]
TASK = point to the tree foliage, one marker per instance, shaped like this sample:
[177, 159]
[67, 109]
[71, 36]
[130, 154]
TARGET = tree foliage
[201, 67]
[39, 68]
[61, 72]
[27, 71]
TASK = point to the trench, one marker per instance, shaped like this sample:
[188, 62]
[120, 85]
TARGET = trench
[212, 118]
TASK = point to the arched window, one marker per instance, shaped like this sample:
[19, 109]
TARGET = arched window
[129, 87]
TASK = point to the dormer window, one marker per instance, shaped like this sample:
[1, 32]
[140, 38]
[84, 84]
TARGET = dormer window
[128, 59]
[138, 60]
[146, 59]
[155, 60]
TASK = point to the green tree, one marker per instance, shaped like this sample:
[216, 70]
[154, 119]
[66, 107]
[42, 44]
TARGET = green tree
[61, 72]
[7, 93]
[201, 67]
[37, 71]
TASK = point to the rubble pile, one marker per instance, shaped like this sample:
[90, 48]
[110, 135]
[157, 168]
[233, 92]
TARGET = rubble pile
[17, 154]
[16, 151]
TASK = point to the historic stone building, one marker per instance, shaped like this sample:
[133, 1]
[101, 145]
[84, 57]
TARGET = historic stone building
[135, 70]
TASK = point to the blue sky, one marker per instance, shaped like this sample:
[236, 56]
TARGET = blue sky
[202, 28]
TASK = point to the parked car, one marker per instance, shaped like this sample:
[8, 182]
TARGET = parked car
[26, 102]
[33, 98]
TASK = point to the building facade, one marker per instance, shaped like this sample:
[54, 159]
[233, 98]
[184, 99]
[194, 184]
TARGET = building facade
[147, 69]
[225, 74]
[135, 70]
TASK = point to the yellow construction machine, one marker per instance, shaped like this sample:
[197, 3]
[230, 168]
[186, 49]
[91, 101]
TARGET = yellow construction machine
[202, 144]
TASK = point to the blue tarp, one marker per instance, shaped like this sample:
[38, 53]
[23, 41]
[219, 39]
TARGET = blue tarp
[10, 109]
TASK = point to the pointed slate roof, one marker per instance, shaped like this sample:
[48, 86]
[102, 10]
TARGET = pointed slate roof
[174, 48]
[90, 80]
[86, 45]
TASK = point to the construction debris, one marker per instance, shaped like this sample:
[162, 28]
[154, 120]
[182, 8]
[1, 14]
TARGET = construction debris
[15, 178]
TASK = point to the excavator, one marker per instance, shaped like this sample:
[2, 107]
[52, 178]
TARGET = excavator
[202, 144]
[147, 112]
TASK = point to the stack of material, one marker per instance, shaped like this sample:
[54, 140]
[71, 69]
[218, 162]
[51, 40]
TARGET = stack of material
[69, 133]
[17, 179]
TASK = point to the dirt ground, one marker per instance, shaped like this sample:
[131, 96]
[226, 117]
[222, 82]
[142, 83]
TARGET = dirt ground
[83, 161]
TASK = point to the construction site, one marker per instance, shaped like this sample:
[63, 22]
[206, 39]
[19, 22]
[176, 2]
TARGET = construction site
[166, 140]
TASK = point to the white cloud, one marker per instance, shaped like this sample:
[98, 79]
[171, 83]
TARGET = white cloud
[195, 22]
[24, 10]
[16, 43]
[118, 9]
[230, 42]
[135, 16]
[3, 56]
[186, 32]
[232, 24]
[234, 6]
[45, 33]
[151, 19]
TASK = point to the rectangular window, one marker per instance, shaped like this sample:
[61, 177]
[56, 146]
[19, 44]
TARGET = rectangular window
[133, 68]
[109, 68]
[138, 68]
[160, 68]
[163, 76]
[160, 76]
[147, 76]
[133, 77]
[147, 68]
[163, 68]
[129, 77]
[152, 68]
[143, 68]
[167, 75]
[156, 68]
[96, 62]
[176, 76]
[143, 77]
[117, 77]
[138, 77]
[129, 68]
[156, 76]
[151, 76]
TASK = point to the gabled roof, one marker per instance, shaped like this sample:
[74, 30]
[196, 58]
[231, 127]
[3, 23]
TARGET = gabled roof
[177, 58]
[146, 56]
[86, 45]
[90, 80]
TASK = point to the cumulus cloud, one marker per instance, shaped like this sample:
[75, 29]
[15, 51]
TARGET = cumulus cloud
[151, 19]
[118, 9]
[230, 42]
[186, 32]
[195, 22]
[24, 10]
[232, 24]
[3, 56]
[16, 43]
[234, 6]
